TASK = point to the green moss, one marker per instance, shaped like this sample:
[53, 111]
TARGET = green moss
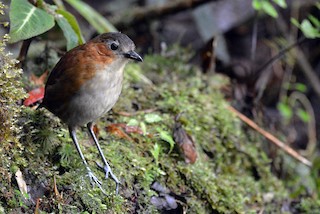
[308, 205]
[11, 93]
[231, 175]
[223, 178]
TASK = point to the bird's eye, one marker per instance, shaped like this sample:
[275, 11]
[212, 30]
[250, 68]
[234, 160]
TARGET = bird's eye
[114, 46]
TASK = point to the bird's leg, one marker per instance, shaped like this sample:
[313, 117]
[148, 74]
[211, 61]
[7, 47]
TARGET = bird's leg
[106, 167]
[93, 179]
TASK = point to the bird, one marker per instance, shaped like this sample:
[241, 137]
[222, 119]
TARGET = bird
[85, 84]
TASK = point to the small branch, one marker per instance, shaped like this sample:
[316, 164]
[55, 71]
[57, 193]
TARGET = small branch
[56, 191]
[254, 38]
[36, 211]
[312, 134]
[271, 138]
[23, 51]
[302, 60]
[281, 53]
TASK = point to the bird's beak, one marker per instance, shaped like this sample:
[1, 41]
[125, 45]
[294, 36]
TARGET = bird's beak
[133, 55]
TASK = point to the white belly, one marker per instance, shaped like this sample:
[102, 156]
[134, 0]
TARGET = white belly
[95, 98]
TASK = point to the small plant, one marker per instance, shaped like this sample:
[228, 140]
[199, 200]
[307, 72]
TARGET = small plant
[286, 106]
[11, 93]
[310, 27]
[267, 7]
[28, 20]
[67, 155]
[165, 136]
[155, 152]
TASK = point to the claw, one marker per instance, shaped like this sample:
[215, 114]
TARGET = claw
[108, 171]
[95, 181]
[105, 168]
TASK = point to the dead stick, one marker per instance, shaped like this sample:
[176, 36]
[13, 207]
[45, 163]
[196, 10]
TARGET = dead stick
[302, 60]
[272, 138]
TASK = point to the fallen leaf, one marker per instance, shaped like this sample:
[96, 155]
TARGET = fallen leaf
[185, 142]
[39, 81]
[130, 129]
[96, 130]
[35, 96]
[116, 130]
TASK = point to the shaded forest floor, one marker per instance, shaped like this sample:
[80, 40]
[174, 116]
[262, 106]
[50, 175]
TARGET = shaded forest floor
[231, 174]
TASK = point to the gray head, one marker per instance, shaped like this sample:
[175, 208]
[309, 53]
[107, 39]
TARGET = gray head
[120, 44]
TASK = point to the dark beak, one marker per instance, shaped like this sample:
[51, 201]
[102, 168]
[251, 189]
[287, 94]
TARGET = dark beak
[133, 55]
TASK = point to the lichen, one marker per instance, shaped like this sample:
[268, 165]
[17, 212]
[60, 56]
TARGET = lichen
[11, 93]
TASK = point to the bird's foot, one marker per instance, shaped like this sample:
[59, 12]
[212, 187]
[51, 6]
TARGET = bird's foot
[107, 169]
[95, 181]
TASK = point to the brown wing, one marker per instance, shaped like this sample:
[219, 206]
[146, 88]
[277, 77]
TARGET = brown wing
[72, 71]
[61, 85]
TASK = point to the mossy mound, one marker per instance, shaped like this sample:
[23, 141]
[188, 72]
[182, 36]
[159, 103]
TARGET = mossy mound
[11, 94]
[230, 175]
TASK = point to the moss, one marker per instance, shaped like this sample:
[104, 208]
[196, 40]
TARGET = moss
[11, 93]
[223, 179]
[308, 205]
[231, 175]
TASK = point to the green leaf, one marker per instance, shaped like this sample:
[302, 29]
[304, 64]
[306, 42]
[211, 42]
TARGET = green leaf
[133, 122]
[281, 3]
[155, 152]
[308, 30]
[143, 128]
[165, 136]
[27, 21]
[152, 118]
[295, 22]
[256, 4]
[59, 4]
[100, 23]
[285, 110]
[73, 23]
[268, 8]
[314, 20]
[303, 115]
[68, 32]
[301, 87]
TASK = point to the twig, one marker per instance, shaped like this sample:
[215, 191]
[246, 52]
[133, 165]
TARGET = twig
[270, 63]
[23, 51]
[312, 134]
[254, 38]
[281, 53]
[302, 60]
[36, 211]
[272, 138]
[56, 191]
[264, 78]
